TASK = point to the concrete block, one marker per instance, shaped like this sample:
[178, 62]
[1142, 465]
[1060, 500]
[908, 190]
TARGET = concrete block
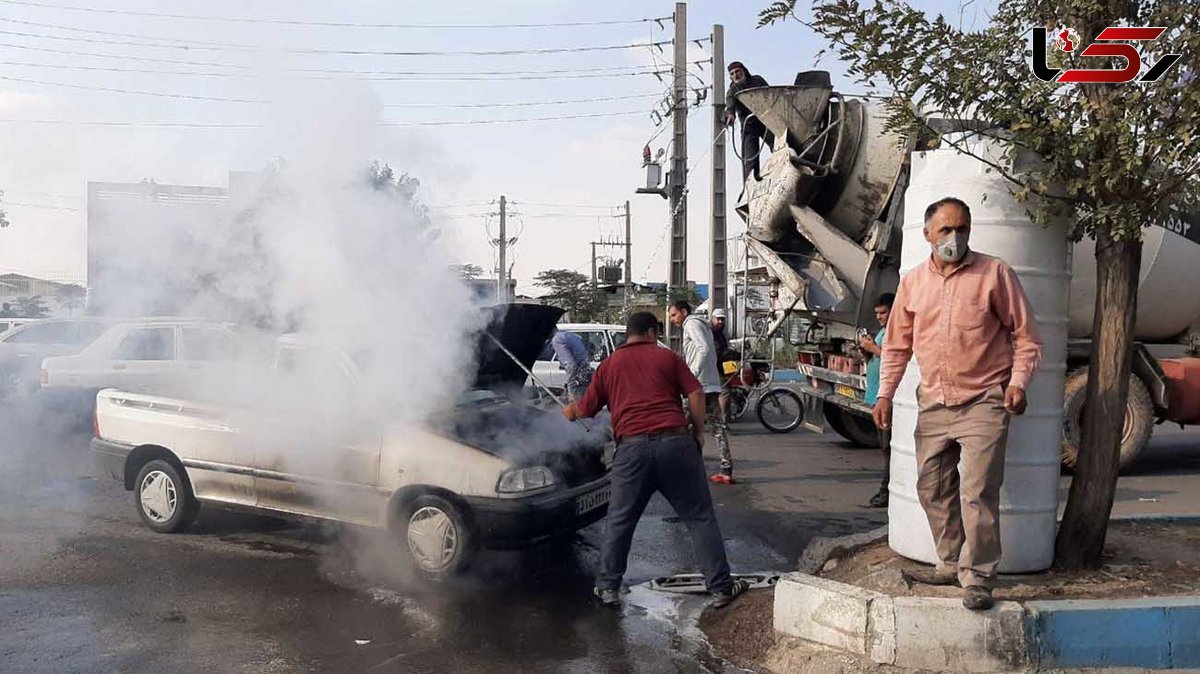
[824, 611]
[1101, 633]
[1183, 629]
[881, 631]
[939, 634]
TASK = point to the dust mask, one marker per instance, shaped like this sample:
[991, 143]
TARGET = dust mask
[952, 247]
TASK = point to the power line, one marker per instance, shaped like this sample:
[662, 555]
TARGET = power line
[340, 52]
[237, 125]
[383, 75]
[26, 204]
[220, 99]
[559, 205]
[331, 24]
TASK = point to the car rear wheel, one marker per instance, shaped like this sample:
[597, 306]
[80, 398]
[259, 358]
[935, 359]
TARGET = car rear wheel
[440, 537]
[164, 498]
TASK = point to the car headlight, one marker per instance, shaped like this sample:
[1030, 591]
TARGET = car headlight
[524, 479]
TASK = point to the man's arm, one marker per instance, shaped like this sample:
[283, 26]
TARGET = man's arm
[1016, 315]
[700, 337]
[698, 409]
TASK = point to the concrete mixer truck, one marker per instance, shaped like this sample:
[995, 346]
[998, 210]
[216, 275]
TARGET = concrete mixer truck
[824, 233]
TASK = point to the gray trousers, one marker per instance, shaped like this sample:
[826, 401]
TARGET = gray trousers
[673, 466]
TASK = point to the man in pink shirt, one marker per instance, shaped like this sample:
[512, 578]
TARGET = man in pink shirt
[966, 317]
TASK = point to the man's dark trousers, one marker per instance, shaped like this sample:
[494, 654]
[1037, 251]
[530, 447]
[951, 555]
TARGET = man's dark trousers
[673, 466]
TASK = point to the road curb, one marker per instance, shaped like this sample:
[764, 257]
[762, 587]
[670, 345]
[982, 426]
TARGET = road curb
[939, 634]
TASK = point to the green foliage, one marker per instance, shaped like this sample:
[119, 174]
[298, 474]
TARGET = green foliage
[31, 307]
[71, 297]
[468, 271]
[3, 217]
[573, 292]
[1112, 157]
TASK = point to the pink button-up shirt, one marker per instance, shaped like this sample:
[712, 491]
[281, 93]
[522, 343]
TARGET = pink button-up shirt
[972, 330]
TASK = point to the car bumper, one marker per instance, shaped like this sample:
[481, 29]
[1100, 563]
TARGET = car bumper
[524, 521]
[110, 457]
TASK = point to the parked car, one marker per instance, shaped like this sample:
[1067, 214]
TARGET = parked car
[600, 339]
[23, 347]
[148, 355]
[7, 324]
[487, 472]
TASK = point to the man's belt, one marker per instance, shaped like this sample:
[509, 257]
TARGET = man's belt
[656, 435]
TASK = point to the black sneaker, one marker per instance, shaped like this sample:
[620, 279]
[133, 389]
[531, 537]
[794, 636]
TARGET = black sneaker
[607, 597]
[879, 500]
[978, 598]
[725, 597]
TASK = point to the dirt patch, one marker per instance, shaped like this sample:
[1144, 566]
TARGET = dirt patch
[744, 631]
[1141, 559]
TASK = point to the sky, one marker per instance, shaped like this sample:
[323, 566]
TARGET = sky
[218, 76]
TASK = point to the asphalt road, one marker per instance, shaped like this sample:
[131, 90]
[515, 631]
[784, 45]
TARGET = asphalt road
[85, 588]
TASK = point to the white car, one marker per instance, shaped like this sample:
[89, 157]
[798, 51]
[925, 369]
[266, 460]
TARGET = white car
[487, 473]
[600, 339]
[149, 355]
[23, 347]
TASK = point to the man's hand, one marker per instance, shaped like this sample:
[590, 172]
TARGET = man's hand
[729, 116]
[882, 414]
[699, 437]
[866, 343]
[571, 412]
[1014, 400]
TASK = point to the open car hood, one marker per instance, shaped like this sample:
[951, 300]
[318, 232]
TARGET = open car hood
[524, 330]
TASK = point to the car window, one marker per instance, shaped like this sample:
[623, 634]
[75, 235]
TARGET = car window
[44, 333]
[595, 343]
[147, 344]
[208, 344]
[86, 332]
[618, 339]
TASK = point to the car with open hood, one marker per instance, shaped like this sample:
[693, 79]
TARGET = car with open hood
[487, 471]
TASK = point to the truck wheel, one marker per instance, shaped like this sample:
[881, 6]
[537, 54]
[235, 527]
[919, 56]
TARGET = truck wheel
[163, 498]
[440, 538]
[856, 428]
[1139, 419]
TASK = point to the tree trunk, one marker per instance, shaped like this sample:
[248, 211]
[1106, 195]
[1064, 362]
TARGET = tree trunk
[1081, 536]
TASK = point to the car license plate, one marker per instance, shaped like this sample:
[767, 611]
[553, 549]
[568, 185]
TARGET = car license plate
[843, 390]
[591, 501]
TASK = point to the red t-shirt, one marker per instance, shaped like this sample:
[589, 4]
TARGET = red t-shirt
[641, 383]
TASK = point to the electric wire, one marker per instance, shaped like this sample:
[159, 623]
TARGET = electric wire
[339, 52]
[220, 99]
[332, 24]
[248, 126]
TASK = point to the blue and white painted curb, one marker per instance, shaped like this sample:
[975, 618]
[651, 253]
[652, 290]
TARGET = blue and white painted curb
[939, 634]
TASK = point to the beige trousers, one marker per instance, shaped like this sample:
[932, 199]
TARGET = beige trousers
[963, 503]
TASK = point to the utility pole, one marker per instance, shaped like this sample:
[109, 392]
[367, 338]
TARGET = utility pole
[502, 271]
[628, 258]
[678, 182]
[718, 283]
[593, 265]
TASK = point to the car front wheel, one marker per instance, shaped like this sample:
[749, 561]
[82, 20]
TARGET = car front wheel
[164, 498]
[440, 537]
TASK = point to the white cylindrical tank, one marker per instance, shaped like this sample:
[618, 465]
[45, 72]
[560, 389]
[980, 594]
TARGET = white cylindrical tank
[1169, 262]
[1041, 258]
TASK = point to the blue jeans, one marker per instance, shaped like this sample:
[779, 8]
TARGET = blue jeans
[674, 467]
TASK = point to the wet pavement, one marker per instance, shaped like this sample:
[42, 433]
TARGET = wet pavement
[84, 587]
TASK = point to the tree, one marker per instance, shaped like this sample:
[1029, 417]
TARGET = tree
[3, 215]
[1114, 158]
[31, 307]
[573, 292]
[468, 271]
[70, 297]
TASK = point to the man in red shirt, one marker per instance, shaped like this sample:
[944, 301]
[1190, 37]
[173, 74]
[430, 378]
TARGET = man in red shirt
[656, 452]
